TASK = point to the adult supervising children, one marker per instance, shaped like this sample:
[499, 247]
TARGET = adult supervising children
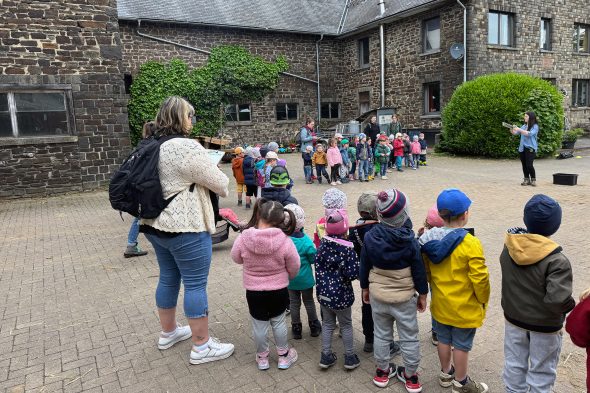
[527, 149]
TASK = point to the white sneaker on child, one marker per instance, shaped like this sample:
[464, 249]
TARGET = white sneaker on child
[287, 360]
[181, 333]
[215, 351]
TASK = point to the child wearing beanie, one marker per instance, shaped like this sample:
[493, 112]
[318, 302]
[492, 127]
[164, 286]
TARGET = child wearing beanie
[333, 198]
[336, 267]
[391, 273]
[536, 296]
[460, 285]
[278, 190]
[301, 287]
[577, 326]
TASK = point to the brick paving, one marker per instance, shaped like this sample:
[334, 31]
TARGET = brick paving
[77, 316]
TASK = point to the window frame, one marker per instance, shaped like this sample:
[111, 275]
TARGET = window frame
[576, 84]
[330, 105]
[577, 27]
[425, 34]
[426, 98]
[362, 50]
[548, 32]
[236, 108]
[368, 102]
[66, 90]
[286, 104]
[511, 28]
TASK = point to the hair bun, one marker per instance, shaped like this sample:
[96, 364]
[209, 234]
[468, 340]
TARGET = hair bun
[287, 219]
[382, 196]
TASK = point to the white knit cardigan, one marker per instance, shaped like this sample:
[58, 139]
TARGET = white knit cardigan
[183, 162]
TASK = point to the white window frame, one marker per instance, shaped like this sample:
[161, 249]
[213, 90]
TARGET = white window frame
[546, 34]
[368, 102]
[286, 104]
[330, 107]
[425, 31]
[11, 90]
[510, 41]
[237, 111]
[427, 93]
[576, 86]
[362, 50]
[577, 27]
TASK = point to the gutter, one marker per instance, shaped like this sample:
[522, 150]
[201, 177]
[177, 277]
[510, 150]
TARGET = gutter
[382, 52]
[195, 49]
[464, 40]
[317, 64]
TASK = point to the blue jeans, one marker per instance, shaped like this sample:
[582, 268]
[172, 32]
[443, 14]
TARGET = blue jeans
[398, 162]
[363, 169]
[186, 256]
[133, 232]
[383, 169]
[307, 172]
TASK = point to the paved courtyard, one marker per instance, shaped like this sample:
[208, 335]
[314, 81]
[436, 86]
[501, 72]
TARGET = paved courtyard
[77, 316]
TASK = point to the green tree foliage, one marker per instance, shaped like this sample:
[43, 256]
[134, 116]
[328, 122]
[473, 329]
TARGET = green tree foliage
[472, 120]
[231, 75]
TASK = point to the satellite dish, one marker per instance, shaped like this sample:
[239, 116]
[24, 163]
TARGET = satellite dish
[457, 51]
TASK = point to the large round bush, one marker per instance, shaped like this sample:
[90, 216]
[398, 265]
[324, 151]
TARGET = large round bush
[472, 120]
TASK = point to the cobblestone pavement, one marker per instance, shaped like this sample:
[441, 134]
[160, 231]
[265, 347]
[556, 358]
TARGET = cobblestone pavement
[76, 316]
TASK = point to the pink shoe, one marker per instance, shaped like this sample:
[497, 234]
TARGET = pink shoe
[262, 360]
[286, 360]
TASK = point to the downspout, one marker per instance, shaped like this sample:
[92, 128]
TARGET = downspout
[317, 66]
[464, 41]
[382, 51]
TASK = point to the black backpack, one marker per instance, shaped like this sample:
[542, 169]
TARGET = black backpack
[298, 137]
[135, 187]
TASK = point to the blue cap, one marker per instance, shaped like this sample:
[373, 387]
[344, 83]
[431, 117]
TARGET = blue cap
[453, 200]
[542, 215]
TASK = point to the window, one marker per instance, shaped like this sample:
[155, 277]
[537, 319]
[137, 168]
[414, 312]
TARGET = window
[580, 90]
[238, 112]
[128, 81]
[286, 112]
[545, 34]
[553, 81]
[330, 110]
[364, 52]
[500, 28]
[432, 98]
[364, 102]
[29, 114]
[581, 38]
[431, 35]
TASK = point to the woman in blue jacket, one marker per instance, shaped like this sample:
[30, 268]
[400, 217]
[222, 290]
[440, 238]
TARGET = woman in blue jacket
[528, 147]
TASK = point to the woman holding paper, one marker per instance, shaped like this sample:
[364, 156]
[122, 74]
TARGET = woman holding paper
[181, 234]
[527, 149]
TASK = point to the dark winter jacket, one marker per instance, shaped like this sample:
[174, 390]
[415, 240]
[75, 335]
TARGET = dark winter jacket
[306, 158]
[360, 147]
[536, 282]
[407, 147]
[423, 144]
[278, 194]
[372, 131]
[336, 265]
[388, 248]
[249, 171]
[357, 233]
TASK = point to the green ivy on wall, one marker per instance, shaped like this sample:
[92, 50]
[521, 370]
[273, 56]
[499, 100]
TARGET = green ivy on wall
[232, 74]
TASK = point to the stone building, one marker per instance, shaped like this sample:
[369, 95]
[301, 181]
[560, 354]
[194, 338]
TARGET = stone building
[65, 66]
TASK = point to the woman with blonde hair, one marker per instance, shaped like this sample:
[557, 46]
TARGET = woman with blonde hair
[181, 234]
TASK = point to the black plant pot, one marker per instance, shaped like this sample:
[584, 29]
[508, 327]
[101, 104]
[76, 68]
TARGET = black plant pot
[567, 144]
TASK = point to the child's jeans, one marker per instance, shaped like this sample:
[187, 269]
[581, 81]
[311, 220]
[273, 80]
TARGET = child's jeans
[383, 169]
[416, 158]
[407, 159]
[398, 162]
[404, 315]
[363, 169]
[279, 331]
[307, 172]
[329, 324]
[530, 359]
[371, 167]
[321, 170]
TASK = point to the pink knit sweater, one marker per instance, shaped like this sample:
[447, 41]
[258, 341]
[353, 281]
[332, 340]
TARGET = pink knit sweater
[334, 156]
[269, 257]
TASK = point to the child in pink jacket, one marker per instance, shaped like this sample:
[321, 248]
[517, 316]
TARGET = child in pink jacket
[270, 259]
[334, 161]
[415, 150]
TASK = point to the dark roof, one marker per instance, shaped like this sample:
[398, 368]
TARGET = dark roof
[302, 16]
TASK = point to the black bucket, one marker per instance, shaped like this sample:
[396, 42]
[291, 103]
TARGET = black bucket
[565, 179]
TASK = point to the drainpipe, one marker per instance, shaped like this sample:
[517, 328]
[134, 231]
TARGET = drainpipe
[382, 51]
[317, 68]
[464, 41]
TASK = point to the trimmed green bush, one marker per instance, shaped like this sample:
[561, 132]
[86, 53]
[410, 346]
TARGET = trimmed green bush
[232, 74]
[472, 120]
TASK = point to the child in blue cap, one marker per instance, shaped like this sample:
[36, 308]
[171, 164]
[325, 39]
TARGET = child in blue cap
[459, 279]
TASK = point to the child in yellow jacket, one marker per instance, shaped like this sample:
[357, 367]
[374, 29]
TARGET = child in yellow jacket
[459, 279]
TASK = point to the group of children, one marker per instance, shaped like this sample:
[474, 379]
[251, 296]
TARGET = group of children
[396, 269]
[358, 159]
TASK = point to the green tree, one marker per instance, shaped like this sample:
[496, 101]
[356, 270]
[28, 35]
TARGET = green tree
[472, 120]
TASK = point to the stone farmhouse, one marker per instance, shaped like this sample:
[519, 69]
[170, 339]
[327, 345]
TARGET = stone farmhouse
[66, 67]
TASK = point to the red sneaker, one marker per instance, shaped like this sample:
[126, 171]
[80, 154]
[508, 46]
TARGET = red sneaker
[412, 383]
[382, 377]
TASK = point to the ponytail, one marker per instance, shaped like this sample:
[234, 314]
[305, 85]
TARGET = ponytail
[273, 213]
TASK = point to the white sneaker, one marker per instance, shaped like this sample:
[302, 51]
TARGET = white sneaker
[333, 183]
[383, 177]
[180, 334]
[338, 182]
[216, 351]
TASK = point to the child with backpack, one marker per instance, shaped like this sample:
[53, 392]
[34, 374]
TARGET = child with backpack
[536, 296]
[333, 198]
[363, 153]
[301, 287]
[307, 163]
[391, 273]
[459, 278]
[271, 161]
[336, 267]
[320, 160]
[237, 168]
[382, 156]
[577, 327]
[269, 260]
[250, 174]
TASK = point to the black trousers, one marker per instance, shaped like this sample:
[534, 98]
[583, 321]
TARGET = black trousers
[334, 175]
[367, 322]
[526, 158]
[321, 171]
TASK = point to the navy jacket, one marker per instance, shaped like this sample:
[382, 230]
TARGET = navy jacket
[248, 169]
[360, 146]
[306, 158]
[391, 248]
[357, 233]
[281, 195]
